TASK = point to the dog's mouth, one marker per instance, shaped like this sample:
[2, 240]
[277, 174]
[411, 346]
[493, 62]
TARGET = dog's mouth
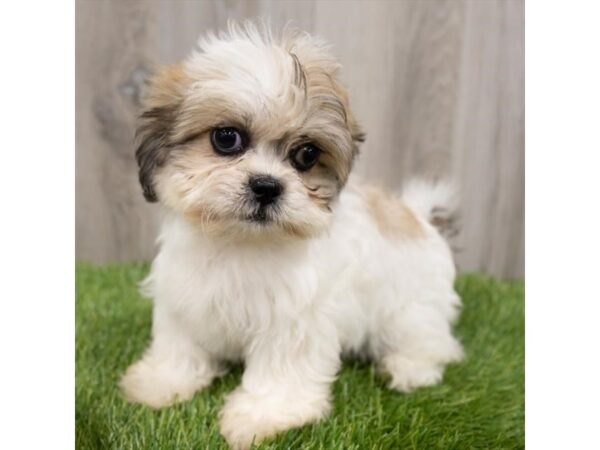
[259, 216]
[262, 215]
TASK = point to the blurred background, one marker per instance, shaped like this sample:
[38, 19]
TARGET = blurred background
[438, 86]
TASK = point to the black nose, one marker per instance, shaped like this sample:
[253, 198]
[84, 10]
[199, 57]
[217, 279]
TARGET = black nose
[266, 189]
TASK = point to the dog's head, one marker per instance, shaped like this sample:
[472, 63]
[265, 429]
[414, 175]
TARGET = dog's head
[251, 135]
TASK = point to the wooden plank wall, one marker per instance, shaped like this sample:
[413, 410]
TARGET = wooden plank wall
[438, 86]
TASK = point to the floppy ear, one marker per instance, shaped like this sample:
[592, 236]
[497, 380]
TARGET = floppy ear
[165, 94]
[358, 135]
[356, 132]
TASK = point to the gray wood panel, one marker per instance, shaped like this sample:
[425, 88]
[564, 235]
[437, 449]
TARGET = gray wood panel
[437, 84]
[115, 49]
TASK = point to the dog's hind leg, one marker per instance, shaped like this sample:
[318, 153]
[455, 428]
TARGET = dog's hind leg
[414, 345]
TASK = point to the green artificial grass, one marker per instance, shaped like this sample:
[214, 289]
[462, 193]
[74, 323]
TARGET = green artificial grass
[479, 405]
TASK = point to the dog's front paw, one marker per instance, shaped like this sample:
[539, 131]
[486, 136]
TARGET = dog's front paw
[248, 419]
[407, 375]
[159, 384]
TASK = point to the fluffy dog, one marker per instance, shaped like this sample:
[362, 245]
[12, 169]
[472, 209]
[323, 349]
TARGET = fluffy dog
[269, 254]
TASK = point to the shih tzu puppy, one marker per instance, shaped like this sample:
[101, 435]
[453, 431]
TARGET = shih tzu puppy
[270, 254]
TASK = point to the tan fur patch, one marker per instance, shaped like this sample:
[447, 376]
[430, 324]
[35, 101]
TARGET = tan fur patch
[330, 113]
[165, 92]
[393, 217]
[168, 86]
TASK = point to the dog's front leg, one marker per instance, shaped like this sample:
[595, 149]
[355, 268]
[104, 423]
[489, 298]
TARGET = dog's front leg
[173, 368]
[286, 384]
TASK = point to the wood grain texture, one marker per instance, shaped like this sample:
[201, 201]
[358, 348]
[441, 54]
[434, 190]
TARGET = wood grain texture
[437, 84]
[115, 50]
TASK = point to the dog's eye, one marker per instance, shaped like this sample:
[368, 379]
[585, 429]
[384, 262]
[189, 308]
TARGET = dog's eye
[305, 156]
[227, 141]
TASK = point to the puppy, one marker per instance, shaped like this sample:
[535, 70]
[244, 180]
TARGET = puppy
[269, 254]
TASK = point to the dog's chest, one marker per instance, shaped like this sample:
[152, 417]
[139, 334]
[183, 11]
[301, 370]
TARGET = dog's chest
[225, 297]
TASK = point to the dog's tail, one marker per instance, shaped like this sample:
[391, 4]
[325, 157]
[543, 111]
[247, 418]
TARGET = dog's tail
[436, 201]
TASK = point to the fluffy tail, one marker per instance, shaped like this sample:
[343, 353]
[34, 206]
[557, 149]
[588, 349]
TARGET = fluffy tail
[436, 201]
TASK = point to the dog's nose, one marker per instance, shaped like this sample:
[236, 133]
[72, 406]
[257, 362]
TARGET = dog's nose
[266, 189]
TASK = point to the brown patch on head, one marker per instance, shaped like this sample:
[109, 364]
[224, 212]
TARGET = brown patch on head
[394, 219]
[165, 95]
[331, 116]
[299, 75]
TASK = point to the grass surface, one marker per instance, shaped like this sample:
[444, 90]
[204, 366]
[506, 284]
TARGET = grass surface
[480, 404]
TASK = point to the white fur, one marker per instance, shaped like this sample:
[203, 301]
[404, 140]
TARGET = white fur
[289, 312]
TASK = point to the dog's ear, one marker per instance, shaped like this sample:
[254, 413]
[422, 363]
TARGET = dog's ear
[356, 131]
[164, 95]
